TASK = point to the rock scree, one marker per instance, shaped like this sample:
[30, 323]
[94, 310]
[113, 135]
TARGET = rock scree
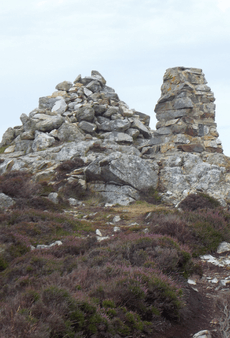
[122, 156]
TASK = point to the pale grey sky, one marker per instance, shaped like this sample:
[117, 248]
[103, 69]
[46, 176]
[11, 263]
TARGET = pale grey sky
[132, 43]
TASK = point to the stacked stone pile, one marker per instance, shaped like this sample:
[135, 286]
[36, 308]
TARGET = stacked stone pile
[75, 111]
[186, 114]
[122, 157]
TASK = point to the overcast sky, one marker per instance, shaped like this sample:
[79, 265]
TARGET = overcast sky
[131, 43]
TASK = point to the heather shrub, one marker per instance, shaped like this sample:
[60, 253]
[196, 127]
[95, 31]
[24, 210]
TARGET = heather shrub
[172, 225]
[150, 195]
[67, 166]
[144, 291]
[201, 230]
[74, 190]
[18, 184]
[144, 250]
[209, 228]
[39, 203]
[199, 201]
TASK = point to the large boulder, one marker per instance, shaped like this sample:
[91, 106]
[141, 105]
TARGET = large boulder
[60, 106]
[7, 137]
[52, 122]
[122, 169]
[65, 85]
[5, 201]
[69, 132]
[42, 141]
[115, 194]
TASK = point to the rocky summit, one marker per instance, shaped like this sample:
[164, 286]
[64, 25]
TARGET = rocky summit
[121, 156]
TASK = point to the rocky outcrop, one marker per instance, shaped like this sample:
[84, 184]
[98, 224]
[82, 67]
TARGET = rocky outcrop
[122, 155]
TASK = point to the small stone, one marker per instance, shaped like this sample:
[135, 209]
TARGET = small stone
[183, 103]
[53, 196]
[87, 92]
[223, 247]
[87, 127]
[99, 239]
[214, 281]
[191, 282]
[65, 85]
[197, 148]
[116, 219]
[10, 149]
[60, 106]
[116, 229]
[202, 334]
[98, 233]
[5, 201]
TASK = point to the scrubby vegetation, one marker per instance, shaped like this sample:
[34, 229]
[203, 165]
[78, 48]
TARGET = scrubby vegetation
[129, 285]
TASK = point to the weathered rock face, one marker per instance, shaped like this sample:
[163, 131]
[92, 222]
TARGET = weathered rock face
[122, 157]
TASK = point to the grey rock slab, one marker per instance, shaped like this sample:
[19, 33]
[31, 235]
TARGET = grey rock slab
[23, 145]
[53, 122]
[107, 89]
[73, 149]
[100, 108]
[87, 91]
[115, 194]
[28, 124]
[164, 131]
[118, 137]
[144, 118]
[133, 132]
[65, 85]
[123, 169]
[69, 132]
[97, 75]
[203, 88]
[8, 137]
[120, 125]
[53, 197]
[110, 111]
[125, 149]
[10, 149]
[94, 86]
[137, 124]
[6, 201]
[88, 127]
[27, 135]
[85, 113]
[47, 102]
[42, 141]
[60, 106]
[183, 103]
[171, 114]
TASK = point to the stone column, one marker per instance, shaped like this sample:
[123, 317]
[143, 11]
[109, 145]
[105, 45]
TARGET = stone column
[186, 113]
